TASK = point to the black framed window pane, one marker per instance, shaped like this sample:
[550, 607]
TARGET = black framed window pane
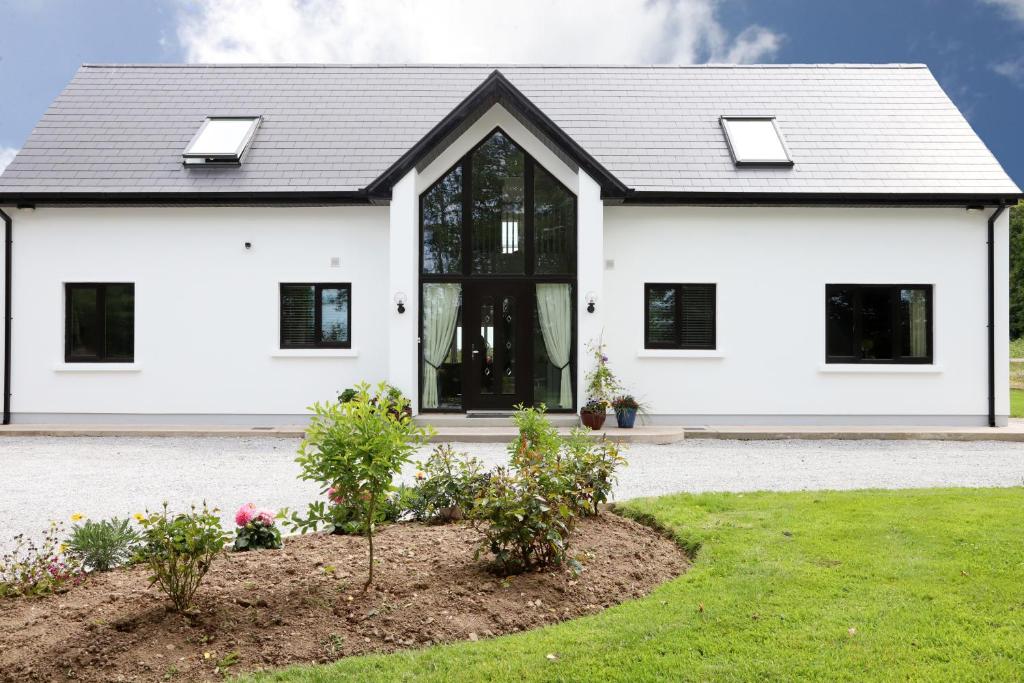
[697, 326]
[442, 225]
[334, 315]
[83, 322]
[914, 322]
[878, 323]
[554, 225]
[839, 335]
[298, 315]
[662, 323]
[876, 313]
[498, 189]
[119, 322]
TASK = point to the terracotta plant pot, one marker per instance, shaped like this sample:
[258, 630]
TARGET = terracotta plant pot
[592, 420]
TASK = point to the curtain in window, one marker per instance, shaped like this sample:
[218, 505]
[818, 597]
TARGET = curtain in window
[918, 324]
[440, 312]
[554, 311]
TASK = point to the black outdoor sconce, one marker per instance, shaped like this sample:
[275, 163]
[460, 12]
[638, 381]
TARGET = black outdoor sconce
[591, 302]
[400, 301]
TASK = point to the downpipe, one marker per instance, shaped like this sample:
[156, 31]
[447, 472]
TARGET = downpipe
[8, 242]
[992, 313]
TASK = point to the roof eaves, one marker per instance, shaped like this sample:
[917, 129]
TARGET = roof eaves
[496, 88]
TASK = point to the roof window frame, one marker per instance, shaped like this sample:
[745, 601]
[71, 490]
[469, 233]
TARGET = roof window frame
[234, 158]
[736, 160]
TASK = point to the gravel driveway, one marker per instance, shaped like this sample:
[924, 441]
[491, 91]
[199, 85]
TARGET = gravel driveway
[43, 478]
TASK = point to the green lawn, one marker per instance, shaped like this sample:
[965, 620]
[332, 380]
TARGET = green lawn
[876, 585]
[1016, 402]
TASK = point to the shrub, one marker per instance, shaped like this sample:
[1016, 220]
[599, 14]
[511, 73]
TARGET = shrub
[400, 405]
[35, 569]
[446, 485]
[625, 402]
[103, 545]
[528, 510]
[179, 550]
[591, 466]
[256, 529]
[354, 450]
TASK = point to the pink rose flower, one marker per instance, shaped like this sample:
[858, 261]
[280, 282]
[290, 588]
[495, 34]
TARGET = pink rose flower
[265, 517]
[334, 496]
[245, 514]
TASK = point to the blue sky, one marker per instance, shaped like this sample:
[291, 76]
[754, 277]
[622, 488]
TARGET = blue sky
[974, 47]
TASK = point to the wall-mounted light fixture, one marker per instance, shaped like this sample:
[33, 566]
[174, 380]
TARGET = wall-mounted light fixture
[591, 302]
[248, 245]
[400, 301]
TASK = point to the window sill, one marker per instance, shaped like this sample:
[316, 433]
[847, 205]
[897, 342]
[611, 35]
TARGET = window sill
[315, 353]
[97, 367]
[680, 353]
[880, 369]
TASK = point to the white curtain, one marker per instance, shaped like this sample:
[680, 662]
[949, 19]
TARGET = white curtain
[554, 308]
[440, 312]
[918, 324]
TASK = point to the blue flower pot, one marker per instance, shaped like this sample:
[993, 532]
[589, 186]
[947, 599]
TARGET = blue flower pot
[625, 417]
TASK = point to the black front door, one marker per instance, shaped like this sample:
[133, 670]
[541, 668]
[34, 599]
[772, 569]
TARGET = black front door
[497, 319]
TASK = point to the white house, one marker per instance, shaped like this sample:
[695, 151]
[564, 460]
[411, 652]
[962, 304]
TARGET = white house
[754, 244]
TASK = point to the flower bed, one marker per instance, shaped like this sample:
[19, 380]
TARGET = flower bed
[305, 603]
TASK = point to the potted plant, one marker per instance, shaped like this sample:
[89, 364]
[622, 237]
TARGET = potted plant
[593, 414]
[601, 386]
[625, 408]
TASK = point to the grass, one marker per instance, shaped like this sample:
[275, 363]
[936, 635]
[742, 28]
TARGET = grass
[865, 585]
[1016, 402]
[1017, 348]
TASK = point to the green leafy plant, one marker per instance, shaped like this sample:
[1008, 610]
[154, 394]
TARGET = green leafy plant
[446, 485]
[179, 550]
[33, 568]
[602, 384]
[103, 545]
[400, 405]
[354, 450]
[256, 529]
[590, 466]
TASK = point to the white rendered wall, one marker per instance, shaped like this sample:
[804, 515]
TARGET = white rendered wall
[206, 309]
[771, 266]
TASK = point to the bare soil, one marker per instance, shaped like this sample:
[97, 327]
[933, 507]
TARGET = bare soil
[305, 604]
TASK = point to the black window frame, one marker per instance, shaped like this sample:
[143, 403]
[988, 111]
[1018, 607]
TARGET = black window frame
[680, 288]
[101, 322]
[897, 338]
[318, 288]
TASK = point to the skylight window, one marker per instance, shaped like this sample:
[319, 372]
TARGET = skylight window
[755, 140]
[221, 140]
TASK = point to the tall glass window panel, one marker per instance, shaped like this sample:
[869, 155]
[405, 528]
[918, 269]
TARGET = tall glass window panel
[914, 322]
[442, 225]
[119, 322]
[298, 316]
[554, 225]
[876, 323]
[662, 319]
[82, 323]
[441, 345]
[334, 305]
[552, 346]
[840, 333]
[498, 187]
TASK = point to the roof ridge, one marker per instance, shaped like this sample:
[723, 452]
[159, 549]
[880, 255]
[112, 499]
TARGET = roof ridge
[380, 65]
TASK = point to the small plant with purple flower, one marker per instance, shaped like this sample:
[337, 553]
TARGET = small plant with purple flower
[257, 529]
[38, 568]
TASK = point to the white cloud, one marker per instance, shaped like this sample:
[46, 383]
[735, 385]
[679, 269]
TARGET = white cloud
[1014, 8]
[447, 31]
[1012, 69]
[6, 157]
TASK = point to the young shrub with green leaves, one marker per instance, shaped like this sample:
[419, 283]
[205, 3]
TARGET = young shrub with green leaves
[103, 545]
[179, 550]
[527, 511]
[354, 450]
[590, 465]
[446, 485]
[35, 569]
